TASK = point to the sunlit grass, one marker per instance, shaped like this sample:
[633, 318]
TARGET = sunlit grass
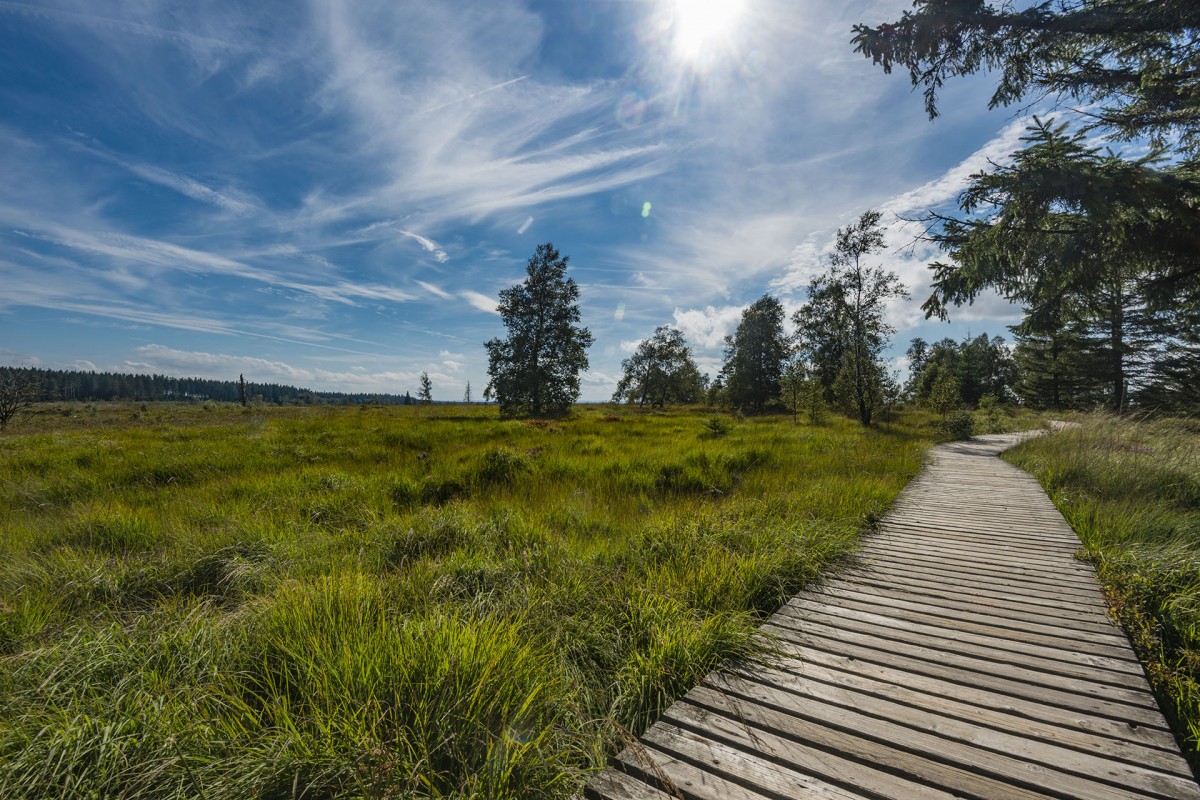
[392, 602]
[1131, 490]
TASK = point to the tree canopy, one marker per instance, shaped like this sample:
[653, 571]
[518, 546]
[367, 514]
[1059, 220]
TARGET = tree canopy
[841, 329]
[1137, 61]
[661, 371]
[754, 356]
[535, 370]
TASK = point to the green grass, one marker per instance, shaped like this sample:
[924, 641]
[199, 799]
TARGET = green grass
[1131, 490]
[382, 603]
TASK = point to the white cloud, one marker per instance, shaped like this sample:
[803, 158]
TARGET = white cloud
[707, 328]
[480, 301]
[434, 97]
[224, 366]
[630, 346]
[430, 246]
[435, 290]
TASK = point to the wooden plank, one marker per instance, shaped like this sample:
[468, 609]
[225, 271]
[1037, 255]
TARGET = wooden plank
[693, 761]
[750, 721]
[1005, 754]
[614, 785]
[1085, 602]
[935, 617]
[951, 654]
[857, 764]
[984, 575]
[1102, 634]
[1069, 733]
[936, 665]
[1043, 609]
[974, 693]
[1042, 659]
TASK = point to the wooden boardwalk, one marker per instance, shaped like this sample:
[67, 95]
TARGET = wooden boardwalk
[967, 654]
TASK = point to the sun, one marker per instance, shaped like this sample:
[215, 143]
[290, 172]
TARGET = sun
[701, 27]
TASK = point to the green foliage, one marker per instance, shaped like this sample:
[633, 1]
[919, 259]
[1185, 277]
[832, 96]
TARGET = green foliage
[715, 427]
[1099, 247]
[754, 357]
[662, 371]
[1139, 56]
[535, 371]
[841, 329]
[425, 390]
[955, 425]
[1131, 490]
[977, 367]
[327, 602]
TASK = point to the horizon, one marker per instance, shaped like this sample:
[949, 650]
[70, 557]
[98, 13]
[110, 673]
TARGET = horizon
[333, 199]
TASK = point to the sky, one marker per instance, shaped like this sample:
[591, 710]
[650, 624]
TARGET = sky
[331, 194]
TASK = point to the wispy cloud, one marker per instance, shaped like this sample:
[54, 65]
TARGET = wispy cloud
[480, 301]
[171, 361]
[430, 246]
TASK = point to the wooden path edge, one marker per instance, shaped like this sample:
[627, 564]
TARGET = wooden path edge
[965, 653]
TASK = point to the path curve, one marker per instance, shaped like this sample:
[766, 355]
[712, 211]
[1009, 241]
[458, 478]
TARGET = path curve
[966, 654]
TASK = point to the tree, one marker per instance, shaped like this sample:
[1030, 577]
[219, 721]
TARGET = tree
[802, 392]
[425, 392]
[1137, 62]
[467, 393]
[661, 371]
[17, 393]
[754, 356]
[841, 328]
[975, 367]
[242, 397]
[535, 370]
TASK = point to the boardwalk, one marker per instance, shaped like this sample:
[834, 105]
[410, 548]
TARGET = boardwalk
[967, 654]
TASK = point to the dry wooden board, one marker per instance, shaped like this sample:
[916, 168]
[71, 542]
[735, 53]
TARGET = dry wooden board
[965, 653]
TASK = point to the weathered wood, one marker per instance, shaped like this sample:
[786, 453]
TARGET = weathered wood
[964, 652]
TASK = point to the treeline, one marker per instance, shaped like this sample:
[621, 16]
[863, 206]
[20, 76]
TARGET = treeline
[49, 385]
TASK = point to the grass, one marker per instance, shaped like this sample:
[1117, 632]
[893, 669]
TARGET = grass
[211, 602]
[1131, 490]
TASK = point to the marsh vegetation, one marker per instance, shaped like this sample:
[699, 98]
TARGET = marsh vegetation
[218, 602]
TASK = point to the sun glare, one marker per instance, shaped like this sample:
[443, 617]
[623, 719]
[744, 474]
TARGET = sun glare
[700, 26]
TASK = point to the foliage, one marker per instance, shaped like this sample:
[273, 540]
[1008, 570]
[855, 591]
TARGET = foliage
[73, 385]
[327, 602]
[1131, 490]
[17, 393]
[662, 371]
[754, 356]
[1140, 57]
[947, 373]
[841, 329]
[955, 425]
[535, 371]
[425, 392]
[1072, 232]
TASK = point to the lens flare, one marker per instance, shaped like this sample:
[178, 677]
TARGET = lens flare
[630, 110]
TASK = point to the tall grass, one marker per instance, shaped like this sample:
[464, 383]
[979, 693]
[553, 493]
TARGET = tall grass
[385, 603]
[1131, 490]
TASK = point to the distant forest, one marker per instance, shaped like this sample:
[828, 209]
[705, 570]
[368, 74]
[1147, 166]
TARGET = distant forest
[53, 385]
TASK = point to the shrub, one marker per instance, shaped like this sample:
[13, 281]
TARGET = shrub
[502, 465]
[715, 428]
[955, 426]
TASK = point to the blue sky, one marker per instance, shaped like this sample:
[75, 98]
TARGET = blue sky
[332, 193]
